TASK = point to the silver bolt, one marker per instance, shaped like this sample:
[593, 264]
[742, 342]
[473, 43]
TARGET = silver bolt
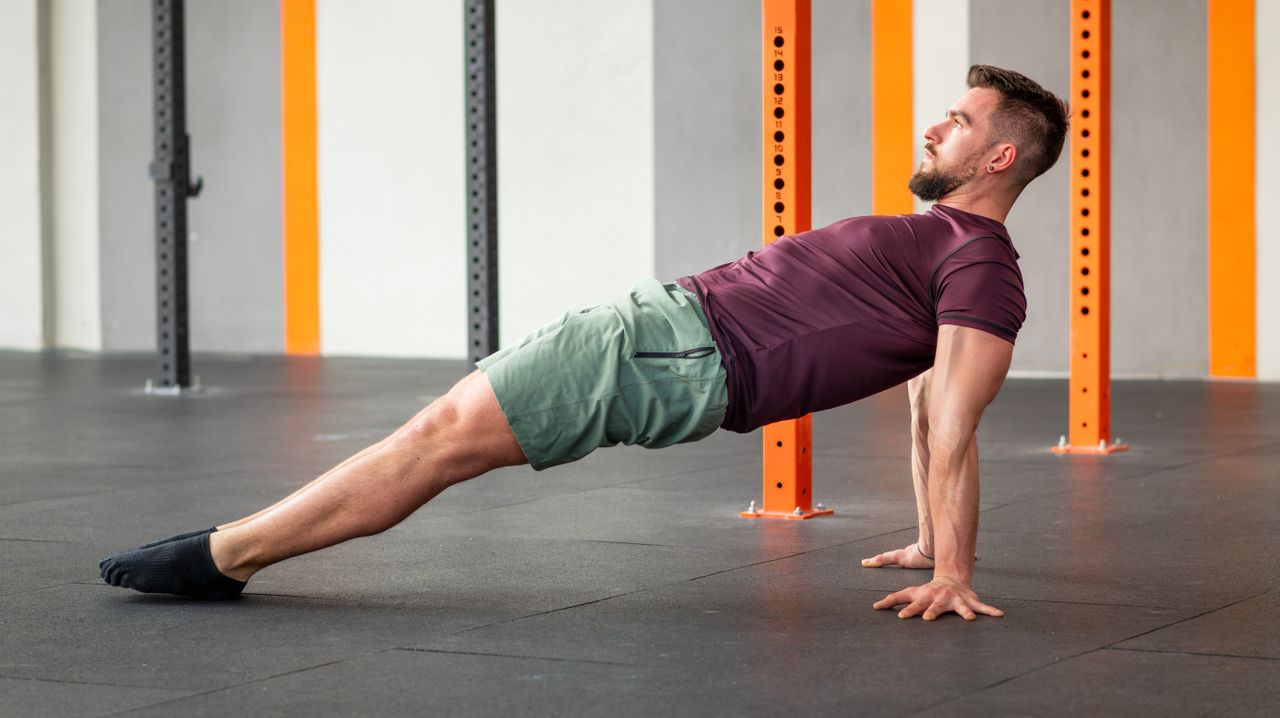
[821, 507]
[798, 512]
[1062, 442]
[752, 508]
[1117, 441]
[1102, 444]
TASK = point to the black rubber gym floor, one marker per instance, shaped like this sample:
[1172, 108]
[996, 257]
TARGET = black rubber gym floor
[1146, 582]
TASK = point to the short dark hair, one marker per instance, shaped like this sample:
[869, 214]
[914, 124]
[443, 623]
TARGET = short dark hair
[1029, 116]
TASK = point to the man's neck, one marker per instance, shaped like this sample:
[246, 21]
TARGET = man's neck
[984, 204]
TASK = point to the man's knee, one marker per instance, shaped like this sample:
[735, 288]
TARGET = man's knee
[441, 417]
[465, 431]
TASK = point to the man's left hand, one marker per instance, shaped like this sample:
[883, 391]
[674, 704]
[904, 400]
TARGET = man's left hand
[937, 597]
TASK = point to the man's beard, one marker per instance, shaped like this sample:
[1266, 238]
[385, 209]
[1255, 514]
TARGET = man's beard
[932, 185]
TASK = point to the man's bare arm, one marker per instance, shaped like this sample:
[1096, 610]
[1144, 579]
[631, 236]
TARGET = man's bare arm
[918, 394]
[919, 554]
[969, 369]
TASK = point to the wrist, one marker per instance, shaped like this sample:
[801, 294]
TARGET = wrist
[924, 544]
[923, 551]
[943, 571]
[951, 579]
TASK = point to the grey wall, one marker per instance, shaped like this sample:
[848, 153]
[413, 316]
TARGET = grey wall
[1159, 252]
[706, 133]
[841, 110]
[1031, 36]
[233, 117]
[1158, 280]
[707, 126]
[126, 208]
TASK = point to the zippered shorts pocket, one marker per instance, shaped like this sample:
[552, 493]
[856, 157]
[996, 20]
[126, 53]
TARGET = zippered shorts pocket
[698, 353]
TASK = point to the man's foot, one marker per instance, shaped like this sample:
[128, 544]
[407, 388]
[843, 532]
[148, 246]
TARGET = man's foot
[183, 566]
[179, 537]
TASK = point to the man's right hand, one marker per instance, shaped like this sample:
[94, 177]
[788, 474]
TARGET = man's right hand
[909, 557]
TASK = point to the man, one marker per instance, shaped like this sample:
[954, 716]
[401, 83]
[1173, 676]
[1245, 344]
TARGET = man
[812, 321]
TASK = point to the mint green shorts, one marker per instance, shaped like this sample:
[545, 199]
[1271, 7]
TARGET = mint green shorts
[641, 369]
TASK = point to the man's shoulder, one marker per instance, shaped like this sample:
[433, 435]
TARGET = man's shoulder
[879, 226]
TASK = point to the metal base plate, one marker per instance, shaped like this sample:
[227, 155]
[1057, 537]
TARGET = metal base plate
[152, 390]
[1100, 449]
[793, 515]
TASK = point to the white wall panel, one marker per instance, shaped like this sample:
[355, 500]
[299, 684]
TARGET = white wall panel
[73, 177]
[1268, 189]
[391, 161]
[21, 319]
[575, 155]
[940, 63]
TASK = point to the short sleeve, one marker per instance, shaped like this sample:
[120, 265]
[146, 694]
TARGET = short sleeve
[980, 286]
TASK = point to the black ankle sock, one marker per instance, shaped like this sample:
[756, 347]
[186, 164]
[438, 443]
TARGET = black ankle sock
[184, 567]
[179, 537]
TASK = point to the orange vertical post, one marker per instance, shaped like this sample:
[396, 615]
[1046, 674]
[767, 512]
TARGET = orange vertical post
[892, 136]
[1231, 154]
[1090, 322]
[785, 126]
[298, 142]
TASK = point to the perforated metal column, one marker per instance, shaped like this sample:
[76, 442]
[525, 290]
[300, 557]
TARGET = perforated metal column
[170, 170]
[1090, 386]
[482, 184]
[786, 61]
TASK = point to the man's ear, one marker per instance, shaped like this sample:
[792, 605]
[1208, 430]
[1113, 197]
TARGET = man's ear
[1002, 158]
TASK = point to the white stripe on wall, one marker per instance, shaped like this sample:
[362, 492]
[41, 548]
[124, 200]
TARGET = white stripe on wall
[73, 179]
[21, 319]
[575, 155]
[1267, 25]
[940, 57]
[575, 139]
[391, 185]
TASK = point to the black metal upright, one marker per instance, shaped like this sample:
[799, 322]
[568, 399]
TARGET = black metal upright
[170, 170]
[482, 183]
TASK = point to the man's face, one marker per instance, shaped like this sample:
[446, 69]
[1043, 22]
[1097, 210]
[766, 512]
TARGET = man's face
[954, 148]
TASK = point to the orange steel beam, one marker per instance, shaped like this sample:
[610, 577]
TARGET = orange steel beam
[1090, 385]
[1232, 238]
[298, 140]
[788, 445]
[892, 136]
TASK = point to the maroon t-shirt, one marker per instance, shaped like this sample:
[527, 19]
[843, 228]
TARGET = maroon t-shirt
[833, 315]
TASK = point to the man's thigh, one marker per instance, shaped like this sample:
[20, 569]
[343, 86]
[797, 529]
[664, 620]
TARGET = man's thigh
[641, 369]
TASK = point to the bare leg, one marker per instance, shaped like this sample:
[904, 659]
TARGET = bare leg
[355, 457]
[459, 436]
